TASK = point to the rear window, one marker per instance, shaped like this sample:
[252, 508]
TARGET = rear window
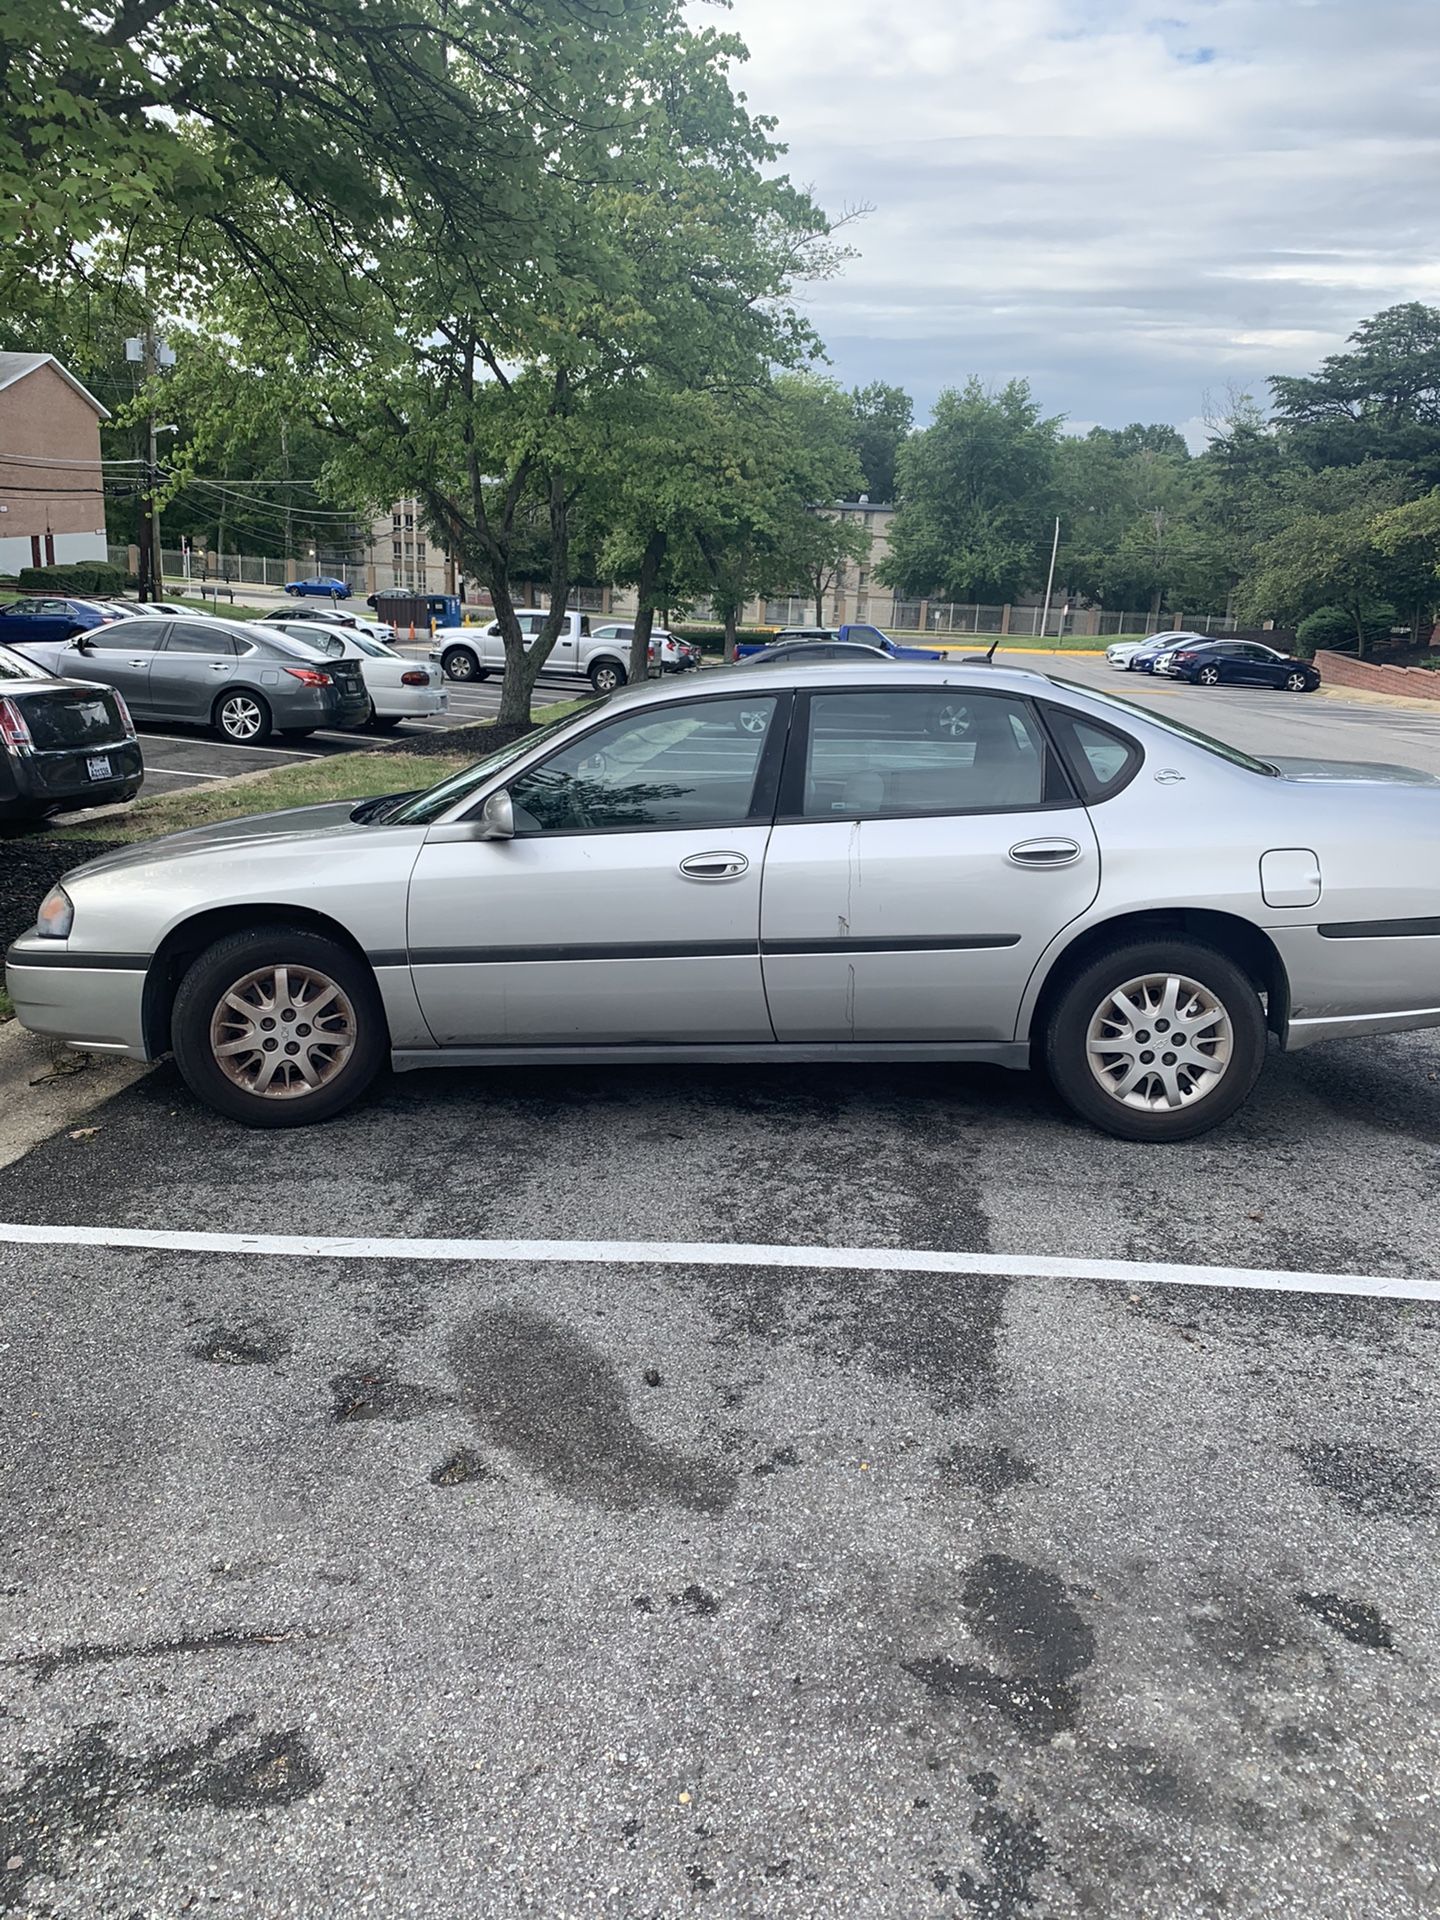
[13, 667]
[1168, 725]
[58, 720]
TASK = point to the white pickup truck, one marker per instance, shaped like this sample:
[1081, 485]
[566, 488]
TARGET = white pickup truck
[474, 653]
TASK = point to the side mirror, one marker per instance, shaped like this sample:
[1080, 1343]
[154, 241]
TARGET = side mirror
[497, 818]
[81, 643]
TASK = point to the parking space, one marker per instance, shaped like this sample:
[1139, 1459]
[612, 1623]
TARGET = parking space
[656, 1568]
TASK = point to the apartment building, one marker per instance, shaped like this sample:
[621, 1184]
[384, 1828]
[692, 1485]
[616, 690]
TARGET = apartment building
[52, 500]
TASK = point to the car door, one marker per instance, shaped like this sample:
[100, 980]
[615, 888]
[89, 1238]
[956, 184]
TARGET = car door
[119, 656]
[1247, 665]
[626, 909]
[196, 663]
[927, 849]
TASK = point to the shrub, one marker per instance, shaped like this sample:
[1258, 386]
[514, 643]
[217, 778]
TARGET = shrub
[1335, 627]
[76, 576]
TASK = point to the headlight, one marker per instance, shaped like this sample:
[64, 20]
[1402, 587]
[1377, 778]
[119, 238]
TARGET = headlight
[56, 916]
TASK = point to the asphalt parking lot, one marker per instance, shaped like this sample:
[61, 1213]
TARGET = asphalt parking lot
[664, 1492]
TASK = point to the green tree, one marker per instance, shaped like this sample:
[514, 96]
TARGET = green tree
[977, 489]
[1378, 401]
[1329, 552]
[883, 419]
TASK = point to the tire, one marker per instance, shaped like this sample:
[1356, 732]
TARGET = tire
[1208, 677]
[459, 663]
[1230, 1030]
[243, 718]
[245, 965]
[293, 591]
[607, 676]
[1297, 683]
[386, 725]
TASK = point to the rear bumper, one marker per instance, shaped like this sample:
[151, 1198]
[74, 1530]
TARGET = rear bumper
[59, 776]
[409, 702]
[57, 994]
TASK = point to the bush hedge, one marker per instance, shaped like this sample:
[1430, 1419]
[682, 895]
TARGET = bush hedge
[711, 639]
[77, 576]
[1334, 628]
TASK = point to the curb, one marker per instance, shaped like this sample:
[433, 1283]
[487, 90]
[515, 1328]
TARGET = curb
[46, 1086]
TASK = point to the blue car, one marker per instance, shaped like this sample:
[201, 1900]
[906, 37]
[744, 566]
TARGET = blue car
[857, 633]
[42, 617]
[318, 589]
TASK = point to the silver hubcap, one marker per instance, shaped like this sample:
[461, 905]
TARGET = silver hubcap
[1159, 1043]
[460, 666]
[953, 720]
[282, 1032]
[241, 717]
[605, 680]
[752, 720]
[1296, 682]
[1210, 676]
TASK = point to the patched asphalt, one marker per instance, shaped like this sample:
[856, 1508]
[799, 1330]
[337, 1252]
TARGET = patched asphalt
[446, 1589]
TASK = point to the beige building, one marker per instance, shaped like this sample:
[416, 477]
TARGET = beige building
[52, 499]
[401, 553]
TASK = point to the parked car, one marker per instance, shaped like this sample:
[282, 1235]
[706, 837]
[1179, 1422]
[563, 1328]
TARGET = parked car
[667, 654]
[63, 743]
[474, 653]
[1120, 652]
[399, 688]
[47, 618]
[323, 587]
[331, 617]
[1240, 663]
[1069, 882]
[1143, 659]
[806, 653]
[858, 631]
[231, 675]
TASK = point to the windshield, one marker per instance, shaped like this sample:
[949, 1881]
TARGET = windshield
[429, 805]
[1219, 748]
[13, 667]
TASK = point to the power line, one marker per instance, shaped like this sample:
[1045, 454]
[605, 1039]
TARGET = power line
[39, 460]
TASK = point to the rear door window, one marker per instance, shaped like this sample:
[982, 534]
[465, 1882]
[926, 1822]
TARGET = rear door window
[193, 637]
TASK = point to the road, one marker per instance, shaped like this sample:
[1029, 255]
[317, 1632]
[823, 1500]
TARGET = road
[687, 1564]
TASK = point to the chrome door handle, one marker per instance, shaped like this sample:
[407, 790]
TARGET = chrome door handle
[714, 866]
[219, 666]
[1044, 853]
[141, 662]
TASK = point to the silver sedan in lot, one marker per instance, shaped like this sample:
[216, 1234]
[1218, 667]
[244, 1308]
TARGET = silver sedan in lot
[1065, 881]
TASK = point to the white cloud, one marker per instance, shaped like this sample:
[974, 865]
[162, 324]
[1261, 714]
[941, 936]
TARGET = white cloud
[1130, 209]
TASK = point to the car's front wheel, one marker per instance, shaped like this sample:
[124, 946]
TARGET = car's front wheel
[278, 1027]
[1297, 682]
[244, 719]
[1156, 1042]
[459, 663]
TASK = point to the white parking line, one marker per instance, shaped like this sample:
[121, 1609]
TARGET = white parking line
[182, 773]
[234, 746]
[717, 1253]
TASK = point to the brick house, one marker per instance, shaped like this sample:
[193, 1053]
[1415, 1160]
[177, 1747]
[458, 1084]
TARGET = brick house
[52, 501]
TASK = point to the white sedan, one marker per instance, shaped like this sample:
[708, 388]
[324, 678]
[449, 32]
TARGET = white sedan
[399, 688]
[332, 617]
[1118, 653]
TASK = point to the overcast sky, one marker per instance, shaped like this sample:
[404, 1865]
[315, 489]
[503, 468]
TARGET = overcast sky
[1127, 205]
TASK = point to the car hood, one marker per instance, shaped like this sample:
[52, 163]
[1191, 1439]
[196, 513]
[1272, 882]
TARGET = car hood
[294, 822]
[1371, 772]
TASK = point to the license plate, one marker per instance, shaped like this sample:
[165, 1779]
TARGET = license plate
[98, 768]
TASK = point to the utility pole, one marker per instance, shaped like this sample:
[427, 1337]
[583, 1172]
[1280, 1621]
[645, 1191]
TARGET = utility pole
[1050, 582]
[152, 355]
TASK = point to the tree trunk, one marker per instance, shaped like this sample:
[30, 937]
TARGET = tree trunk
[1358, 614]
[522, 668]
[819, 601]
[732, 621]
[647, 584]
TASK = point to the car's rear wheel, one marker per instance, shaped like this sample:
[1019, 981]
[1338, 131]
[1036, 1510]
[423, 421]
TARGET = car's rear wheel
[1208, 677]
[459, 663]
[244, 719]
[279, 1027]
[1157, 1042]
[383, 722]
[1297, 683]
[606, 676]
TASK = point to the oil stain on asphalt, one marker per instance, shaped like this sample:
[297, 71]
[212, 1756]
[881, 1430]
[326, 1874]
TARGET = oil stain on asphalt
[1040, 1641]
[535, 1389]
[1369, 1480]
[59, 1806]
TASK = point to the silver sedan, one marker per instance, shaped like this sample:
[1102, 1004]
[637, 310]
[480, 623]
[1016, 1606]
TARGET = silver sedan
[791, 864]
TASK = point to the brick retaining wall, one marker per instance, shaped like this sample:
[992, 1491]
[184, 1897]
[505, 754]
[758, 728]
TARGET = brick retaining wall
[1344, 670]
